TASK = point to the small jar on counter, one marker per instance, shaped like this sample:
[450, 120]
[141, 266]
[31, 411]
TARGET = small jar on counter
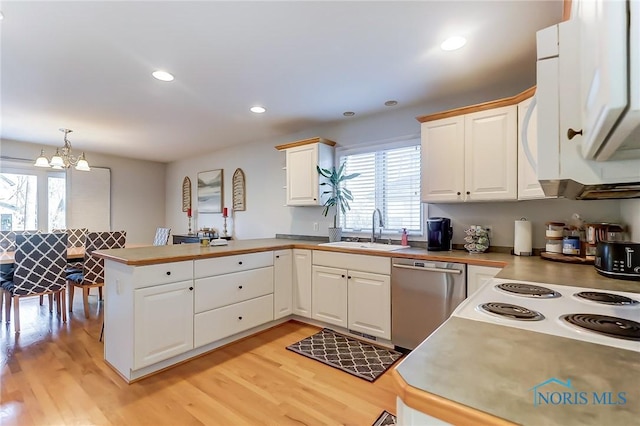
[571, 245]
[554, 229]
[554, 245]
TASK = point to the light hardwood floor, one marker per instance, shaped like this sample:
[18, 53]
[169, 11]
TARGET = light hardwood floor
[54, 374]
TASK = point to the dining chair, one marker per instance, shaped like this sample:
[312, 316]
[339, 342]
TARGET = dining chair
[92, 274]
[39, 268]
[8, 239]
[76, 238]
[162, 237]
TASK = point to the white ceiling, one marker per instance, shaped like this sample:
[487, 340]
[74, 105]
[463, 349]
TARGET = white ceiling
[86, 65]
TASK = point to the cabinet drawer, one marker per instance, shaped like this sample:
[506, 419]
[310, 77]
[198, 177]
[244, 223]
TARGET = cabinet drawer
[228, 264]
[219, 323]
[222, 290]
[145, 276]
[354, 262]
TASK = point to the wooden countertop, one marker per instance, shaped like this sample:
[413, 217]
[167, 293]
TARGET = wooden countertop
[514, 267]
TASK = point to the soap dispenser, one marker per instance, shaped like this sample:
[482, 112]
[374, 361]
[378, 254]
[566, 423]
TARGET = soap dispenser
[405, 237]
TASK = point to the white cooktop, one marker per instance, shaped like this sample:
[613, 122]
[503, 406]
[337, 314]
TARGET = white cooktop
[552, 309]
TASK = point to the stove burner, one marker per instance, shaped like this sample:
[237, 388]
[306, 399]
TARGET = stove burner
[620, 328]
[511, 311]
[528, 290]
[606, 298]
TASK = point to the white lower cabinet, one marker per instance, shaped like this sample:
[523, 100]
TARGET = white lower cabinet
[301, 275]
[223, 322]
[230, 303]
[329, 298]
[369, 307]
[163, 322]
[357, 297]
[282, 283]
[477, 276]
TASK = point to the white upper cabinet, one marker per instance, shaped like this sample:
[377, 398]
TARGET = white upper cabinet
[491, 154]
[302, 179]
[442, 159]
[528, 186]
[470, 157]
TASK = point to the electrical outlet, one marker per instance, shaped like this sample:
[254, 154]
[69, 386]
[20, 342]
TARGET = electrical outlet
[316, 226]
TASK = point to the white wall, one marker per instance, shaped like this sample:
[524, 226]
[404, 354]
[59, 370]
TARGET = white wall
[502, 216]
[137, 189]
[266, 214]
[630, 210]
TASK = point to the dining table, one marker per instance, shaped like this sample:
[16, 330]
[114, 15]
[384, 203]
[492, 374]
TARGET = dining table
[74, 254]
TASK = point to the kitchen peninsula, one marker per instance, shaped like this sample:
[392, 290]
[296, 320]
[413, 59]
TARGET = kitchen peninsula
[162, 292]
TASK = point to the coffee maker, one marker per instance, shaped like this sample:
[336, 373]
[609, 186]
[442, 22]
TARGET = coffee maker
[439, 234]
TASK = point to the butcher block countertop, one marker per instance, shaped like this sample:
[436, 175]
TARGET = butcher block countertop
[514, 267]
[471, 372]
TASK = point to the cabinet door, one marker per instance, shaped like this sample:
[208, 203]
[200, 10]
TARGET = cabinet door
[302, 176]
[528, 186]
[491, 157]
[329, 299]
[369, 300]
[477, 276]
[302, 282]
[283, 283]
[442, 159]
[163, 322]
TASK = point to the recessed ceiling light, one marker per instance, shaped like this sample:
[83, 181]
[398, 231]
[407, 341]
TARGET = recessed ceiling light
[348, 113]
[257, 109]
[162, 75]
[453, 43]
[391, 103]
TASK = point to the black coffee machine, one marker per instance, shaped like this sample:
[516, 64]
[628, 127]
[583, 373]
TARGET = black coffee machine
[439, 234]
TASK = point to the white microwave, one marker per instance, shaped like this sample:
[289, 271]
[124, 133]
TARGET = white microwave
[588, 145]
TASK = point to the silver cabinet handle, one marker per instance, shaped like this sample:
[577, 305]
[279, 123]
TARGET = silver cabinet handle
[418, 268]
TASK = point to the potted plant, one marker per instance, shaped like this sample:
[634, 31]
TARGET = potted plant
[339, 196]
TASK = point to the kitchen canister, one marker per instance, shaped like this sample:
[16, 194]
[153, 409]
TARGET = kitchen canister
[523, 238]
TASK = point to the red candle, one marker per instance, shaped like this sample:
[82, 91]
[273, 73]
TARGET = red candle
[189, 212]
[224, 212]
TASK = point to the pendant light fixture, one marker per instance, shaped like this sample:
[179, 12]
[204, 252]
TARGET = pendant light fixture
[63, 158]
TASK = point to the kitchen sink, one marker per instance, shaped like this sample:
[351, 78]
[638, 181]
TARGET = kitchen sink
[364, 246]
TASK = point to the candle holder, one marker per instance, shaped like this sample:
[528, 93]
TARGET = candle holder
[224, 231]
[189, 233]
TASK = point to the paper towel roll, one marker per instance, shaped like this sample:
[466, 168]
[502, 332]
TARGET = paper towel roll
[522, 244]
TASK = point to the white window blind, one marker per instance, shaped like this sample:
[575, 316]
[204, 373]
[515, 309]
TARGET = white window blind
[390, 181]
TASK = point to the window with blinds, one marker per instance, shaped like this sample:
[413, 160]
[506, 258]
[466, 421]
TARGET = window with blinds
[390, 181]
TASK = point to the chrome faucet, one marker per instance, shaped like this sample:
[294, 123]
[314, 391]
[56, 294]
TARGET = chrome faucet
[373, 225]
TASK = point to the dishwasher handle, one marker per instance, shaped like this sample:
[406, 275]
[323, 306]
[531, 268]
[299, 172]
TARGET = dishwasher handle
[428, 269]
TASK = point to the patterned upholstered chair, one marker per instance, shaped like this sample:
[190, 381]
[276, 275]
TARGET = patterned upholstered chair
[8, 239]
[40, 262]
[162, 237]
[76, 239]
[92, 274]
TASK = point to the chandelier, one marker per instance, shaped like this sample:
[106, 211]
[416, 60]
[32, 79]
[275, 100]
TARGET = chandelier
[63, 159]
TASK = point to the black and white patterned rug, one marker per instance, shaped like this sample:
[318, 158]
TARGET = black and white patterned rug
[385, 419]
[351, 355]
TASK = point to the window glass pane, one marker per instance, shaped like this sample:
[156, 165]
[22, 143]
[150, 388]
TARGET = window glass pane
[56, 202]
[390, 181]
[18, 202]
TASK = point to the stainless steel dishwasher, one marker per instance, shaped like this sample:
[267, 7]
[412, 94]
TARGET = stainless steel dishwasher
[423, 295]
